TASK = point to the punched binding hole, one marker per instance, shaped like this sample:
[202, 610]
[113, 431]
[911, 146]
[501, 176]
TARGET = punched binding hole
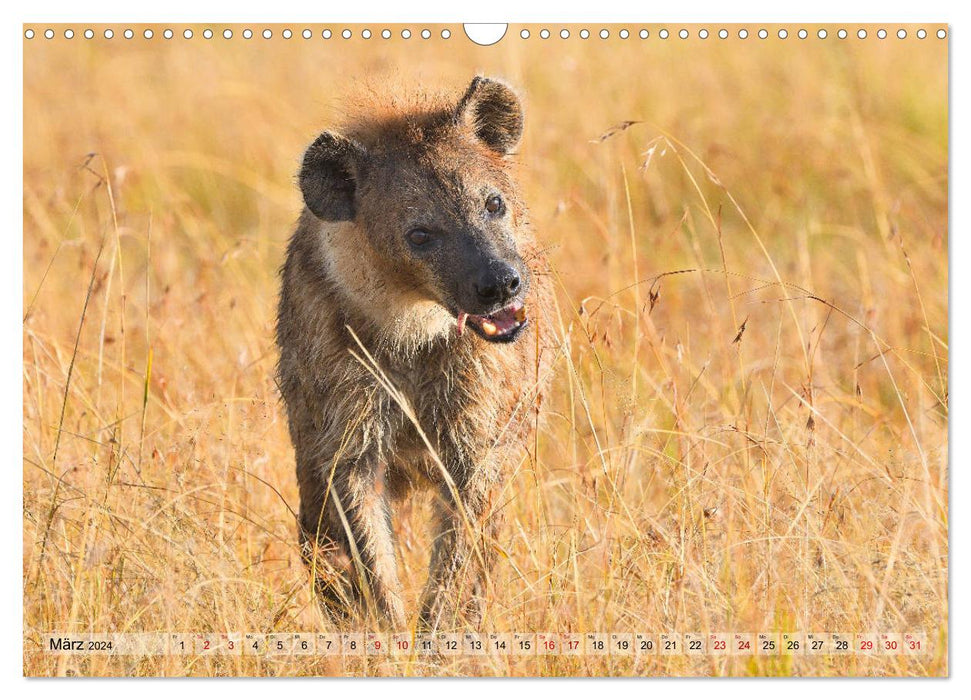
[486, 34]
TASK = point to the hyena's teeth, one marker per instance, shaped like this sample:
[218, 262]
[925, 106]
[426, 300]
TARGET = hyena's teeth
[462, 318]
[521, 314]
[489, 328]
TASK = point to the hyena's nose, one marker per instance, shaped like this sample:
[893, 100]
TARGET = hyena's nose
[498, 285]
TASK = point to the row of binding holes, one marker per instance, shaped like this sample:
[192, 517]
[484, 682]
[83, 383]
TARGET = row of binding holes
[246, 34]
[525, 34]
[724, 33]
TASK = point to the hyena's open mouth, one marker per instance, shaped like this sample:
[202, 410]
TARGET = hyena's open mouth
[502, 326]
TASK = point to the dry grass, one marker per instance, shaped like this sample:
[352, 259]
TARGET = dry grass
[758, 442]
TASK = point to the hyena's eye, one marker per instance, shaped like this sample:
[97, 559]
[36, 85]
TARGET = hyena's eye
[494, 205]
[419, 237]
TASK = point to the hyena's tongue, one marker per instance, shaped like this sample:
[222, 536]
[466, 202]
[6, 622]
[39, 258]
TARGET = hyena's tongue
[504, 320]
[496, 324]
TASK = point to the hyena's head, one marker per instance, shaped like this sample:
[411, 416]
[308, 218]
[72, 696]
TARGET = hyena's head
[431, 203]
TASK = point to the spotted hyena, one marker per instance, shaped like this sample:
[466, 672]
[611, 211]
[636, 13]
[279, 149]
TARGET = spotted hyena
[415, 329]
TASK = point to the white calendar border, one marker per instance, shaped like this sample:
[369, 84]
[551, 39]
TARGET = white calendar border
[497, 10]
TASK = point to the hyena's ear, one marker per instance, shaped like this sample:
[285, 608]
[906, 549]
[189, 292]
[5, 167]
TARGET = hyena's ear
[493, 112]
[328, 176]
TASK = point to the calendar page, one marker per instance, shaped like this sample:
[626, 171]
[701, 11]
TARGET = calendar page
[545, 349]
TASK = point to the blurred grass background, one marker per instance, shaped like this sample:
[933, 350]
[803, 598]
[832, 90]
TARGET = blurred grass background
[758, 443]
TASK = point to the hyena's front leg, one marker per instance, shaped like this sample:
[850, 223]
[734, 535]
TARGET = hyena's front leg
[462, 555]
[350, 525]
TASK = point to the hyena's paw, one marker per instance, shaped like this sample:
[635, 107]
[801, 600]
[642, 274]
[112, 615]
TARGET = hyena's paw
[447, 611]
[331, 572]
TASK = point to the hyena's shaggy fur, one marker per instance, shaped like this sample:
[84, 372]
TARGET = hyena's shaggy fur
[357, 449]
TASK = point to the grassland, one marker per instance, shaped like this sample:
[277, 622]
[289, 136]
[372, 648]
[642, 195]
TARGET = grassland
[748, 426]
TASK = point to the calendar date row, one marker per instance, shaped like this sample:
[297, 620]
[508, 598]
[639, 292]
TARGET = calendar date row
[405, 644]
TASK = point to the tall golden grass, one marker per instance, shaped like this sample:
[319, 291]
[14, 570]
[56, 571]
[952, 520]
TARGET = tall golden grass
[748, 426]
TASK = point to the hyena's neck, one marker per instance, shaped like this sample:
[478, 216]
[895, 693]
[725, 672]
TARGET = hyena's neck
[379, 306]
